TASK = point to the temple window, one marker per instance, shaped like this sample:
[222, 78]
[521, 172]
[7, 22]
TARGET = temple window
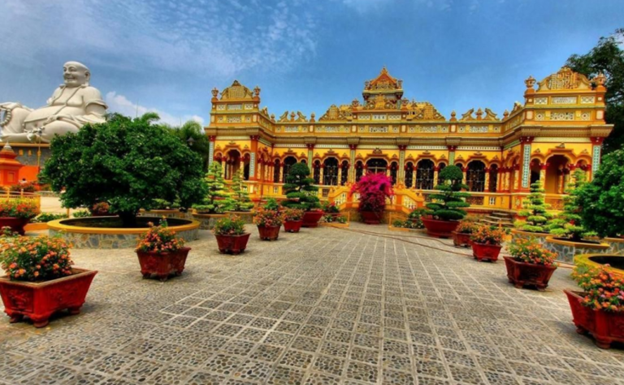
[276, 171]
[317, 171]
[345, 172]
[246, 162]
[535, 170]
[424, 175]
[330, 172]
[475, 177]
[288, 163]
[440, 168]
[394, 168]
[233, 163]
[493, 178]
[359, 170]
[409, 174]
[376, 166]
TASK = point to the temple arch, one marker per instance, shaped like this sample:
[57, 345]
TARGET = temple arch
[409, 174]
[475, 176]
[317, 171]
[289, 161]
[344, 172]
[276, 171]
[556, 174]
[493, 183]
[377, 165]
[359, 170]
[232, 164]
[424, 174]
[330, 171]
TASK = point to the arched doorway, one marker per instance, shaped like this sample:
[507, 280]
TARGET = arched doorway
[409, 174]
[424, 174]
[246, 165]
[330, 172]
[377, 166]
[232, 163]
[493, 178]
[288, 163]
[556, 174]
[536, 168]
[475, 177]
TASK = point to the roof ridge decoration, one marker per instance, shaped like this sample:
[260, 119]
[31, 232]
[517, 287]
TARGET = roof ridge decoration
[564, 79]
[237, 91]
[384, 81]
[337, 113]
[425, 111]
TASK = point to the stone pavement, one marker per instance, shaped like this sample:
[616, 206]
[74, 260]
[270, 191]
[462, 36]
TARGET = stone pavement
[326, 306]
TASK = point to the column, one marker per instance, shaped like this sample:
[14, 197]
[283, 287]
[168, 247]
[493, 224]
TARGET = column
[388, 171]
[310, 155]
[252, 156]
[339, 175]
[596, 155]
[516, 186]
[543, 168]
[211, 147]
[465, 173]
[351, 177]
[321, 174]
[451, 154]
[525, 162]
[572, 179]
[281, 173]
[414, 176]
[486, 188]
[401, 170]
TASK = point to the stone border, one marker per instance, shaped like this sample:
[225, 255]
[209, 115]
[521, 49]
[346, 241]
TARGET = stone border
[567, 250]
[583, 259]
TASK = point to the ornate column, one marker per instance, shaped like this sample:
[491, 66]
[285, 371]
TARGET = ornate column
[571, 178]
[414, 171]
[596, 156]
[465, 175]
[388, 171]
[310, 155]
[281, 173]
[339, 176]
[252, 156]
[486, 187]
[351, 177]
[516, 172]
[451, 154]
[525, 162]
[321, 174]
[543, 168]
[211, 147]
[401, 170]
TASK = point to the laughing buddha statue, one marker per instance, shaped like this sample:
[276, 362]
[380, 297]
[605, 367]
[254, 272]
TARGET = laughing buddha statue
[72, 105]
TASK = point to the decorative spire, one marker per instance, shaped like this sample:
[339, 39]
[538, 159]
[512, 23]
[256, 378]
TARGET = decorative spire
[529, 82]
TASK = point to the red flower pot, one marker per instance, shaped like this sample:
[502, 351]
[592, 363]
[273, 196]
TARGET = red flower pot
[604, 326]
[269, 233]
[311, 218]
[528, 274]
[440, 229]
[232, 244]
[162, 265]
[293, 226]
[39, 300]
[461, 239]
[482, 251]
[16, 224]
[371, 217]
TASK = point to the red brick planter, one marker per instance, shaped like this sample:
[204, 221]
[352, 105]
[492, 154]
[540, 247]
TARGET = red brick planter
[311, 218]
[461, 239]
[39, 300]
[232, 244]
[440, 229]
[293, 226]
[605, 327]
[269, 233]
[484, 252]
[371, 217]
[528, 274]
[162, 265]
[16, 224]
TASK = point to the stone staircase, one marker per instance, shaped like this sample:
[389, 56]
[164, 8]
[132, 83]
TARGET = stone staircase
[495, 218]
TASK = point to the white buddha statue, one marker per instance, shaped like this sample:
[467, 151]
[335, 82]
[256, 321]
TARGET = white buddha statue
[71, 106]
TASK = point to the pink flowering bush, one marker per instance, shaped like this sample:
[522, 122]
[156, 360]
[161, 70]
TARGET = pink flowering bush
[373, 190]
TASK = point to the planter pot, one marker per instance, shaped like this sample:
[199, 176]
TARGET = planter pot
[371, 217]
[311, 218]
[162, 265]
[605, 327]
[16, 224]
[440, 229]
[232, 244]
[293, 226]
[483, 252]
[461, 239]
[39, 300]
[528, 274]
[269, 233]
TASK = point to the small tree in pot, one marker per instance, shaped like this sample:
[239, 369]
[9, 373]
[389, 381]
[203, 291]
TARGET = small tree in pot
[569, 224]
[239, 197]
[530, 263]
[447, 205]
[217, 200]
[231, 235]
[373, 189]
[269, 219]
[161, 253]
[534, 211]
[302, 194]
[293, 219]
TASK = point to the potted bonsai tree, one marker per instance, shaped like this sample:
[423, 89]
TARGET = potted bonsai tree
[447, 205]
[330, 209]
[269, 219]
[239, 197]
[231, 235]
[293, 218]
[486, 243]
[534, 211]
[161, 253]
[415, 218]
[599, 309]
[461, 235]
[530, 263]
[16, 213]
[373, 189]
[40, 280]
[301, 194]
[569, 225]
[217, 199]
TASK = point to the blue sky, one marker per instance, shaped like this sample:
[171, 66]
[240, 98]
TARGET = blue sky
[166, 55]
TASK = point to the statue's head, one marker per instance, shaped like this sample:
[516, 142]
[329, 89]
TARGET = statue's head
[75, 74]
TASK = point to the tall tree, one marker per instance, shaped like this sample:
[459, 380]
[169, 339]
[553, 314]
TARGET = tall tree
[192, 134]
[607, 57]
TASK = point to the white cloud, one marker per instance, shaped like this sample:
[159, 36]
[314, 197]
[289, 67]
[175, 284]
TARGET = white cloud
[120, 104]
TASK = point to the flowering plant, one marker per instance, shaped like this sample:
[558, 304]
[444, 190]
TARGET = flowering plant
[35, 259]
[160, 239]
[486, 235]
[100, 208]
[230, 225]
[330, 208]
[291, 215]
[373, 190]
[28, 187]
[268, 218]
[18, 208]
[604, 289]
[467, 226]
[529, 251]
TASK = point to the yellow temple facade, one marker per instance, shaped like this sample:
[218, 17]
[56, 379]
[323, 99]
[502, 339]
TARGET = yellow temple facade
[559, 128]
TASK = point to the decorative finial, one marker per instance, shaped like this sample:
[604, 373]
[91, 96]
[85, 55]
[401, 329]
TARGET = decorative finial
[530, 82]
[215, 92]
[600, 79]
[505, 114]
[479, 114]
[257, 92]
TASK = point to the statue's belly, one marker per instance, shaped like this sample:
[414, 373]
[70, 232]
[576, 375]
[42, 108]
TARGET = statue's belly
[38, 116]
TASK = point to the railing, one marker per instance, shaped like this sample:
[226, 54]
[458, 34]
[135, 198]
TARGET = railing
[8, 194]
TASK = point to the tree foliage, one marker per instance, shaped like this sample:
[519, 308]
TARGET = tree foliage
[126, 162]
[607, 57]
[191, 134]
[569, 223]
[448, 203]
[239, 197]
[535, 211]
[299, 188]
[217, 199]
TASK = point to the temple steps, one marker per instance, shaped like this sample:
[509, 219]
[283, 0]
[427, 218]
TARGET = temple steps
[496, 218]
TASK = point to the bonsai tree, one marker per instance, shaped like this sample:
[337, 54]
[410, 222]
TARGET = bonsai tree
[239, 197]
[448, 203]
[373, 190]
[299, 190]
[569, 223]
[534, 211]
[125, 162]
[216, 200]
[602, 206]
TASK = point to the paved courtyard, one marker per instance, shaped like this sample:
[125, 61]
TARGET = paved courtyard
[326, 306]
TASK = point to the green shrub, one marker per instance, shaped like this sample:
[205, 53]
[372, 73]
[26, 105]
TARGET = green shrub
[47, 217]
[569, 223]
[534, 209]
[448, 203]
[299, 189]
[230, 225]
[81, 214]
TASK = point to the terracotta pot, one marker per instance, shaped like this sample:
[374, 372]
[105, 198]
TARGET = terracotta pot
[293, 226]
[39, 300]
[16, 224]
[371, 217]
[440, 229]
[162, 265]
[461, 239]
[311, 218]
[269, 233]
[232, 244]
[604, 326]
[482, 251]
[528, 274]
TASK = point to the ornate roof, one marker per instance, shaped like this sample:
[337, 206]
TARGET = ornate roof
[239, 91]
[565, 79]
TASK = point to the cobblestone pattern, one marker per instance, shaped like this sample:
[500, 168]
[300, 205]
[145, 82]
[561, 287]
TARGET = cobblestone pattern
[325, 306]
